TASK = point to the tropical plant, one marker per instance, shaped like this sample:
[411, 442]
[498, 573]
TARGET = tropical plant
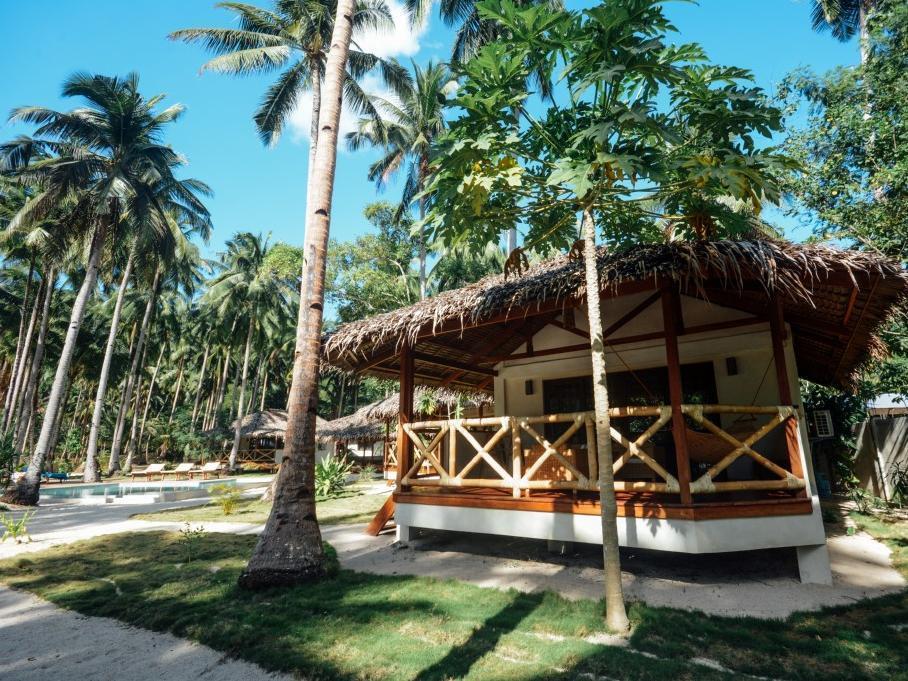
[331, 475]
[16, 528]
[843, 18]
[412, 120]
[226, 497]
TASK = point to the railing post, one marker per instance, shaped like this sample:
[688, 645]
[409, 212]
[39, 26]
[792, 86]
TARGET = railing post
[671, 317]
[515, 456]
[777, 330]
[452, 450]
[404, 414]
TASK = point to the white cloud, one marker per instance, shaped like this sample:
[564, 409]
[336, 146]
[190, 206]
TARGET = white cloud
[402, 41]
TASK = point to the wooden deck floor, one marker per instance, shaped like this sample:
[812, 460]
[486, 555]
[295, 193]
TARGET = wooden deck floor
[630, 504]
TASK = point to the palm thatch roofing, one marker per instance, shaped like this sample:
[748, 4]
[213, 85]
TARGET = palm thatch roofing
[367, 424]
[835, 300]
[268, 423]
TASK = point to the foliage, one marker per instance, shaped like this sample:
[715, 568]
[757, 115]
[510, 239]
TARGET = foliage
[7, 458]
[654, 141]
[331, 475]
[854, 142]
[226, 497]
[190, 540]
[372, 273]
[368, 472]
[16, 528]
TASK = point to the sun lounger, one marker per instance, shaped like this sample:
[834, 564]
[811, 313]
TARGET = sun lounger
[183, 469]
[49, 476]
[212, 468]
[150, 471]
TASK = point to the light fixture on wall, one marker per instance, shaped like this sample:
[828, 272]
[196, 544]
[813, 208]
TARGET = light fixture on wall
[528, 386]
[731, 366]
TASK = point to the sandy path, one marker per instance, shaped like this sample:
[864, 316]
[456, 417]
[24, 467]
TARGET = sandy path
[39, 641]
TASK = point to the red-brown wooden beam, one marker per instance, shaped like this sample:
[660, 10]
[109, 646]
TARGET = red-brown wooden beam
[786, 397]
[452, 364]
[672, 322]
[405, 413]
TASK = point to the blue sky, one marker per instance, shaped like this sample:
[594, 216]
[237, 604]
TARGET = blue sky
[263, 190]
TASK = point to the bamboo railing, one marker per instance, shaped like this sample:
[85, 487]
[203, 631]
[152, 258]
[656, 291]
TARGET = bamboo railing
[436, 461]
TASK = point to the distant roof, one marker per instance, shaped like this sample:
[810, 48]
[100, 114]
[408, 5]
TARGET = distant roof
[268, 422]
[368, 423]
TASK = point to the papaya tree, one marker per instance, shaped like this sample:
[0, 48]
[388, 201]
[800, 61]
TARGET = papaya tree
[647, 139]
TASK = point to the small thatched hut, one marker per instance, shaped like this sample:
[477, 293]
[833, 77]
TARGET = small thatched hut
[262, 438]
[704, 343]
[368, 433]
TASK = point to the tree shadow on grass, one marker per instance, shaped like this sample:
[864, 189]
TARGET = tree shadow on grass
[460, 659]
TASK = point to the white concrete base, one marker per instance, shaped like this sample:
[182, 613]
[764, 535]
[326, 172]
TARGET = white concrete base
[682, 536]
[813, 564]
[404, 533]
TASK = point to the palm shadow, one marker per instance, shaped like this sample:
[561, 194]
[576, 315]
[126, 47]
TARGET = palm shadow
[484, 639]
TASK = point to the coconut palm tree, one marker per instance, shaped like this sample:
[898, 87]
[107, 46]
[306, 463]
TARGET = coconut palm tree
[245, 289]
[294, 35]
[407, 132]
[843, 18]
[100, 157]
[289, 550]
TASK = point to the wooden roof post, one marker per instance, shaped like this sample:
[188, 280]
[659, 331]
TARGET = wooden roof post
[778, 332]
[405, 413]
[672, 320]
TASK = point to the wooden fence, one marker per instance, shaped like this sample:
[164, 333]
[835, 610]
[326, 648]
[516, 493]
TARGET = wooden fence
[436, 460]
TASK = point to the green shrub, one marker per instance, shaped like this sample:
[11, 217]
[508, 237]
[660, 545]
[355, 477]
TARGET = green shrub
[227, 497]
[368, 472]
[331, 475]
[190, 540]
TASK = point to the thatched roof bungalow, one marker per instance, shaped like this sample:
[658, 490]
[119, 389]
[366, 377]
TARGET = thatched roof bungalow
[705, 343]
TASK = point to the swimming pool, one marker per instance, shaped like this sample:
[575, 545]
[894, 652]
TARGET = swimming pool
[171, 490]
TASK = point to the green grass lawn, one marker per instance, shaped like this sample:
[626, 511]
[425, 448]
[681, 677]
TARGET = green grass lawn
[359, 626]
[350, 506]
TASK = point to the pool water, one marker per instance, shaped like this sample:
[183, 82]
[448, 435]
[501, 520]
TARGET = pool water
[173, 490]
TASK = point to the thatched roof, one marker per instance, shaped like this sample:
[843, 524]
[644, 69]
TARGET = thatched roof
[443, 400]
[834, 299]
[367, 423]
[356, 427]
[271, 422]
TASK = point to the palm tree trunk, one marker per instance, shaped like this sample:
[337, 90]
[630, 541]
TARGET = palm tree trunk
[315, 70]
[423, 288]
[34, 373]
[154, 378]
[91, 454]
[72, 424]
[238, 425]
[176, 391]
[27, 490]
[198, 389]
[222, 389]
[61, 414]
[20, 343]
[131, 444]
[116, 447]
[21, 372]
[212, 397]
[615, 615]
[289, 550]
[264, 387]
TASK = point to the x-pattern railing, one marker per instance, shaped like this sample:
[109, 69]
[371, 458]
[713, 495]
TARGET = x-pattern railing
[435, 442]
